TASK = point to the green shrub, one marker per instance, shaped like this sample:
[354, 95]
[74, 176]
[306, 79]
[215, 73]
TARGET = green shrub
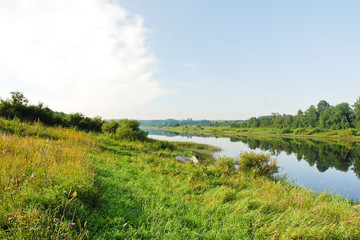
[299, 131]
[110, 127]
[259, 164]
[348, 133]
[164, 145]
[285, 131]
[128, 133]
[315, 130]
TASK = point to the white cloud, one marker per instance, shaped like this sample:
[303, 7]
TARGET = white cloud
[80, 55]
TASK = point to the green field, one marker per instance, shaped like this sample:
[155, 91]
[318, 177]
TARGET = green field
[59, 183]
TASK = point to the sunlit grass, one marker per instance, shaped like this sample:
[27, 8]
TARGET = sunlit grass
[215, 200]
[60, 183]
[39, 165]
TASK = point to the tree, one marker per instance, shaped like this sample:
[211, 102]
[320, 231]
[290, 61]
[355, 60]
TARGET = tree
[18, 98]
[321, 106]
[299, 119]
[311, 116]
[357, 112]
[342, 116]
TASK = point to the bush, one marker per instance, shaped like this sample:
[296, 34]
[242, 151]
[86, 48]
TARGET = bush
[285, 131]
[110, 127]
[299, 131]
[164, 145]
[259, 164]
[127, 130]
[315, 130]
[348, 133]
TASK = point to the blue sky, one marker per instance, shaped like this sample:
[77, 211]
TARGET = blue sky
[203, 59]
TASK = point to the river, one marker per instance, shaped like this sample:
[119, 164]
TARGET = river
[317, 164]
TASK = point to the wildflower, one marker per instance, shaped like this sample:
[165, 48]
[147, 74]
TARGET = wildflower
[31, 229]
[48, 228]
[73, 224]
[56, 220]
[10, 218]
[75, 194]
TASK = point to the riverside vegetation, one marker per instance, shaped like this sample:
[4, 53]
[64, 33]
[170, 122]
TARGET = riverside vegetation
[324, 120]
[62, 183]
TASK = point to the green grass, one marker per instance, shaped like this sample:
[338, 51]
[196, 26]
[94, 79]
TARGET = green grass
[147, 196]
[40, 169]
[349, 134]
[138, 190]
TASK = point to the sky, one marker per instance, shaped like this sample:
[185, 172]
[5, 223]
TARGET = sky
[160, 59]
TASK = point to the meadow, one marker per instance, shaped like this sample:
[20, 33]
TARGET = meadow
[60, 183]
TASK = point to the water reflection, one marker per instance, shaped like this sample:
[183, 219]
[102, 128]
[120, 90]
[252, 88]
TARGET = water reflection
[323, 154]
[319, 164]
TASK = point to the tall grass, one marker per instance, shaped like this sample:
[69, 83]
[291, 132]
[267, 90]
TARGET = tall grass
[39, 165]
[59, 183]
[147, 195]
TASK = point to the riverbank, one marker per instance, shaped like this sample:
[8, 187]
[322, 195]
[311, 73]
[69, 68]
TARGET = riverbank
[227, 131]
[61, 183]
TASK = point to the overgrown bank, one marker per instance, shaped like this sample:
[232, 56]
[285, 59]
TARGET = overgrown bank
[228, 131]
[127, 189]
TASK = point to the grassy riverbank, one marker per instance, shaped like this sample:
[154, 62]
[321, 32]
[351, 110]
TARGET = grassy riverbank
[348, 134]
[58, 183]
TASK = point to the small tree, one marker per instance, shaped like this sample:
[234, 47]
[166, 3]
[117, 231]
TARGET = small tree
[18, 98]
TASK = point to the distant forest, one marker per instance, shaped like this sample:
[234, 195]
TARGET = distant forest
[187, 122]
[323, 116]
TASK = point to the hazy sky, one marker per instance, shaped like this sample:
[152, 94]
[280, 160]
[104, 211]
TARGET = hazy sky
[202, 59]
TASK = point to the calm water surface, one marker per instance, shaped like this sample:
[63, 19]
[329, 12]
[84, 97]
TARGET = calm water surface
[318, 164]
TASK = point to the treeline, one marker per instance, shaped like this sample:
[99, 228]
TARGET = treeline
[323, 116]
[187, 122]
[18, 107]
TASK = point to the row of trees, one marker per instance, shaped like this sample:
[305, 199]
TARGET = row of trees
[18, 107]
[324, 115]
[187, 122]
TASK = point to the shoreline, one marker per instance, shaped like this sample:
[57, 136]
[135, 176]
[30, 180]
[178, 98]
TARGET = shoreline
[234, 134]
